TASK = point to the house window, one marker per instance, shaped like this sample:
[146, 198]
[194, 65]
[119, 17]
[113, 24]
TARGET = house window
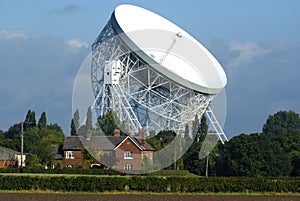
[69, 155]
[127, 155]
[128, 167]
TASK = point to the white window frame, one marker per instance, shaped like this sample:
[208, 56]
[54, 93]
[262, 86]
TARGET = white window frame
[128, 167]
[151, 155]
[128, 155]
[69, 154]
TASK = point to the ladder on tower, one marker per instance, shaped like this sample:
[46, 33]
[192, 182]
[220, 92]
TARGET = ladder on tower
[216, 125]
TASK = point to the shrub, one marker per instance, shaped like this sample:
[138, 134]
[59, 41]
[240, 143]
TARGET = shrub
[87, 183]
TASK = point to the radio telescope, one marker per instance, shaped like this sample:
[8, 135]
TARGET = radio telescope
[152, 74]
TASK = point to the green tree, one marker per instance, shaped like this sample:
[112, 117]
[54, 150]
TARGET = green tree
[89, 123]
[13, 130]
[252, 155]
[32, 140]
[295, 159]
[76, 119]
[30, 120]
[199, 128]
[203, 129]
[193, 163]
[282, 122]
[2, 137]
[162, 139]
[12, 137]
[38, 140]
[107, 123]
[283, 129]
[32, 160]
[43, 120]
[73, 128]
[195, 129]
[191, 159]
[50, 136]
[91, 155]
[147, 164]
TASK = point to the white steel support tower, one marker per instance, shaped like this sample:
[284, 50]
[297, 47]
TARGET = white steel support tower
[140, 95]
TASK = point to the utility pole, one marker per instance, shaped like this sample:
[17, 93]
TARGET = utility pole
[22, 145]
[175, 162]
[206, 170]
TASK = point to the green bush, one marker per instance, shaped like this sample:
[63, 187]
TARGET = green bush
[86, 183]
[42, 170]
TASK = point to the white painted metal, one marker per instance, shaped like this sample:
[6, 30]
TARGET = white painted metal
[147, 31]
[216, 125]
[138, 93]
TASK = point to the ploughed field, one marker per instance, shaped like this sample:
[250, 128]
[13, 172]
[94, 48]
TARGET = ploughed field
[137, 197]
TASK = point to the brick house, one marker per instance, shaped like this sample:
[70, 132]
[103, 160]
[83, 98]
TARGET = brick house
[72, 152]
[10, 158]
[119, 152]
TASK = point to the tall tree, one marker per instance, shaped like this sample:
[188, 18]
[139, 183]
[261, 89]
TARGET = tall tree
[203, 128]
[76, 119]
[30, 120]
[195, 129]
[43, 120]
[89, 123]
[73, 128]
[200, 128]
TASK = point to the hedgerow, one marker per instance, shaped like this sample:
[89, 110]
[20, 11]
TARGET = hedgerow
[70, 183]
[42, 170]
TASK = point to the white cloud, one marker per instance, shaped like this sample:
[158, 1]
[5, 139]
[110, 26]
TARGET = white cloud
[245, 52]
[263, 81]
[12, 35]
[38, 73]
[76, 45]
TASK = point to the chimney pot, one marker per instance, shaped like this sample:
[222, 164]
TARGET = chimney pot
[117, 132]
[142, 135]
[88, 134]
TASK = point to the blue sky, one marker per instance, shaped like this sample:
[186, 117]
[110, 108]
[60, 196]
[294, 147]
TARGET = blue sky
[43, 43]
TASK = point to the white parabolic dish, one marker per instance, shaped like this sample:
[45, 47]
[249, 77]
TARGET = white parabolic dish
[185, 61]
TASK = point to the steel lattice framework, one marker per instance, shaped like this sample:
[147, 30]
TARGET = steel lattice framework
[140, 96]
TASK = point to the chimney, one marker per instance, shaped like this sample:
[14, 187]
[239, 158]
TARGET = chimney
[117, 132]
[88, 134]
[142, 135]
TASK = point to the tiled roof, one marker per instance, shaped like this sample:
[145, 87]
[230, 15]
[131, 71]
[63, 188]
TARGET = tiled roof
[73, 143]
[99, 142]
[147, 147]
[102, 142]
[7, 154]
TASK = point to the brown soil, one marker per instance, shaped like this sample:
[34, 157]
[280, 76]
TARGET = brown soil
[139, 197]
